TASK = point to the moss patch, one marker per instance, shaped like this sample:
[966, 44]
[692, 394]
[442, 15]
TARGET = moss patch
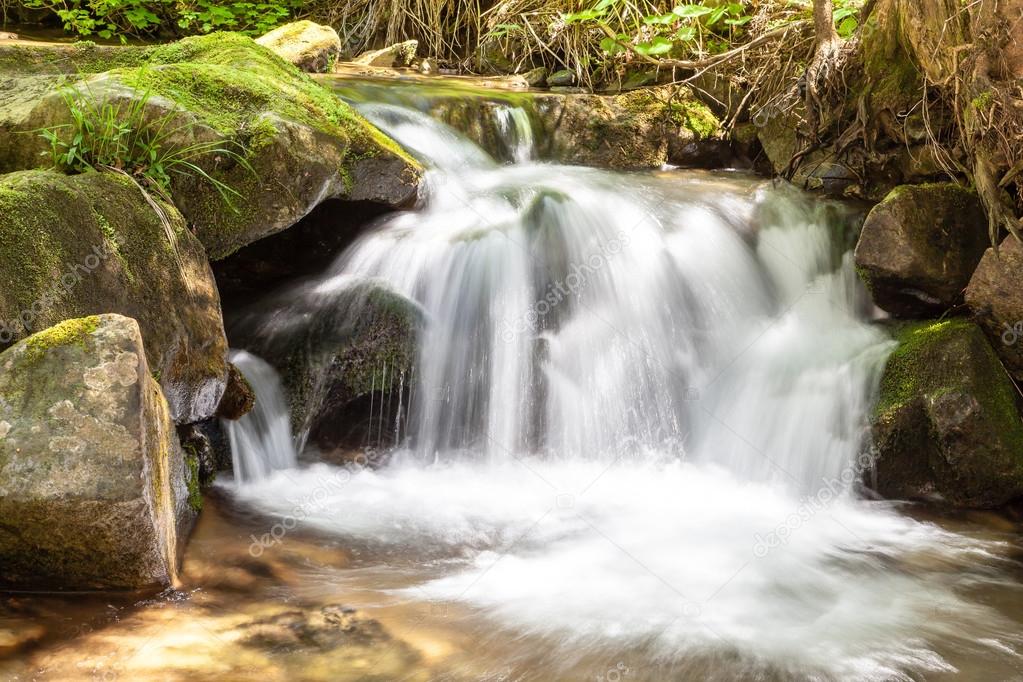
[64, 334]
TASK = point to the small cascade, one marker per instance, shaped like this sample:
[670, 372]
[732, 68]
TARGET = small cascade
[261, 441]
[516, 132]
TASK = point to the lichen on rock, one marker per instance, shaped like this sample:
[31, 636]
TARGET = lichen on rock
[93, 484]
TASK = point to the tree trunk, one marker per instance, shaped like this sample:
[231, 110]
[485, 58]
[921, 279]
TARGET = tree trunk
[824, 24]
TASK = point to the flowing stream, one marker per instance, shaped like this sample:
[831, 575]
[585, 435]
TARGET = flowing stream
[633, 450]
[637, 431]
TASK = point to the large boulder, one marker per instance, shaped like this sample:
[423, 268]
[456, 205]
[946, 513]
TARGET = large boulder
[310, 46]
[644, 128]
[87, 244]
[345, 357]
[269, 132]
[919, 247]
[946, 425]
[996, 299]
[94, 490]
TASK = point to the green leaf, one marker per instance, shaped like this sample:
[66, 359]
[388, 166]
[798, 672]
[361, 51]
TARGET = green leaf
[685, 34]
[739, 21]
[584, 15]
[691, 11]
[848, 27]
[657, 46]
[660, 19]
[611, 46]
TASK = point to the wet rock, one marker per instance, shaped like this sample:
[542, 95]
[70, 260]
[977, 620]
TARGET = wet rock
[81, 245]
[15, 635]
[310, 46]
[7, 35]
[301, 144]
[94, 489]
[996, 299]
[397, 55]
[199, 446]
[946, 425]
[330, 627]
[919, 247]
[637, 129]
[346, 362]
[239, 397]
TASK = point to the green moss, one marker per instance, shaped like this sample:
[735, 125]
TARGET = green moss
[64, 334]
[695, 116]
[192, 479]
[921, 366]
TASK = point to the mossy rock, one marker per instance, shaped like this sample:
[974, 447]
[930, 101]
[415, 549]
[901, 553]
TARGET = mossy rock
[301, 144]
[946, 425]
[919, 247]
[644, 128]
[88, 244]
[94, 489]
[337, 355]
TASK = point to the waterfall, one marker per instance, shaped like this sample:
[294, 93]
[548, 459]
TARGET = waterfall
[517, 132]
[261, 441]
[637, 427]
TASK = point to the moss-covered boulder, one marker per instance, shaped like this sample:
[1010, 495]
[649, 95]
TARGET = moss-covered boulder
[300, 143]
[94, 489]
[88, 244]
[946, 425]
[644, 128]
[995, 297]
[310, 46]
[346, 360]
[919, 246]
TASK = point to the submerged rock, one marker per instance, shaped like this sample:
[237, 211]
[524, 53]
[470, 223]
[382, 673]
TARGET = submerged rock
[946, 425]
[300, 143]
[996, 299]
[310, 46]
[919, 247]
[88, 244]
[94, 489]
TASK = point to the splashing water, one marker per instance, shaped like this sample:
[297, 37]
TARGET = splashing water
[637, 428]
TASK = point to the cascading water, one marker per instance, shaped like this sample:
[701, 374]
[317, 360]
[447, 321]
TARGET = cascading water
[636, 431]
[261, 440]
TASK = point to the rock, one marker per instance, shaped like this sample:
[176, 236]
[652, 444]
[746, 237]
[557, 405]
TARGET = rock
[561, 79]
[7, 35]
[94, 489]
[301, 143]
[535, 78]
[16, 635]
[208, 446]
[310, 46]
[946, 424]
[338, 355]
[330, 627]
[238, 399]
[81, 245]
[399, 54]
[919, 247]
[636, 129]
[995, 297]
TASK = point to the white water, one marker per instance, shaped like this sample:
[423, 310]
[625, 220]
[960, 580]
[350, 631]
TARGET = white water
[261, 441]
[637, 428]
